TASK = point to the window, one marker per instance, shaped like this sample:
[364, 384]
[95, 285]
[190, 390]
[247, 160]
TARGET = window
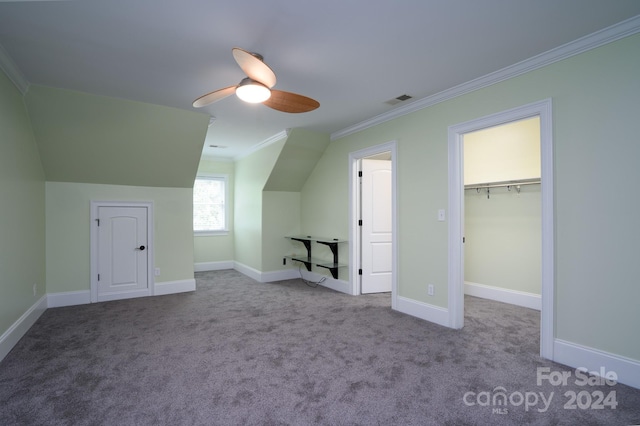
[210, 204]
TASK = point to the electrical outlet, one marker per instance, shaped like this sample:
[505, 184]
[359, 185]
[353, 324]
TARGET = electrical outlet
[430, 290]
[157, 272]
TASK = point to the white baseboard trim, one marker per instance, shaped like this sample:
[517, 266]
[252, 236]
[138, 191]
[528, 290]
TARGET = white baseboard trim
[282, 275]
[514, 297]
[212, 266]
[122, 295]
[248, 271]
[578, 356]
[18, 329]
[83, 297]
[423, 311]
[292, 274]
[337, 285]
[172, 287]
[329, 282]
[68, 298]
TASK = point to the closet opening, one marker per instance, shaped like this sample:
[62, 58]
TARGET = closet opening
[502, 189]
[502, 213]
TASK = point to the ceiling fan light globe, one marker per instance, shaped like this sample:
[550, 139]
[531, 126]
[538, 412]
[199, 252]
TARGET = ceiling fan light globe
[253, 92]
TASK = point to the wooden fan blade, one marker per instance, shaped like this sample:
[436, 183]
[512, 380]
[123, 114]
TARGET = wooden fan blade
[212, 97]
[254, 67]
[290, 102]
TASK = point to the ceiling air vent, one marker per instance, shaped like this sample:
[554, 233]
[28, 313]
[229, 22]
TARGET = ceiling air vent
[399, 99]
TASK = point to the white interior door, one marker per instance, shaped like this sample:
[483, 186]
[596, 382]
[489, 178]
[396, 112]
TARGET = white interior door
[376, 226]
[122, 252]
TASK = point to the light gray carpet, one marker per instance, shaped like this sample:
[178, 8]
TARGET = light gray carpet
[238, 352]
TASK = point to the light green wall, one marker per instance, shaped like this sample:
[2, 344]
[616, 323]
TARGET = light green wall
[97, 139]
[217, 248]
[595, 107]
[22, 221]
[280, 217]
[422, 180]
[503, 244]
[68, 230]
[299, 156]
[251, 174]
[597, 152]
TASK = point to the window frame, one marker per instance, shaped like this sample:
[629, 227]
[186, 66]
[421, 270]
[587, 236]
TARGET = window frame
[218, 177]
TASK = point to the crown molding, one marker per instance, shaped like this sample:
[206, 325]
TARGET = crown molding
[13, 72]
[607, 35]
[275, 138]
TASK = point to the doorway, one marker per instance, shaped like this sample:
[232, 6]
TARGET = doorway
[375, 225]
[502, 213]
[121, 250]
[456, 212]
[382, 241]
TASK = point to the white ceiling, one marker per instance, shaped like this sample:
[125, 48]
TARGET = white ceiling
[350, 55]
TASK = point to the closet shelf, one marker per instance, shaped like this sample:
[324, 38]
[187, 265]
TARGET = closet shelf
[310, 261]
[321, 240]
[502, 184]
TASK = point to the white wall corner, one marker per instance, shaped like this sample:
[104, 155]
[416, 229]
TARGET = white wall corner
[578, 356]
[68, 298]
[19, 328]
[172, 287]
[514, 297]
[424, 311]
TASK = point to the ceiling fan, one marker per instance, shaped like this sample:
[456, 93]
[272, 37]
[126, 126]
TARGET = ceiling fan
[257, 87]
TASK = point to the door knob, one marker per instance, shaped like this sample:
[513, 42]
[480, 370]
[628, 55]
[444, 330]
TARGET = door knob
[140, 248]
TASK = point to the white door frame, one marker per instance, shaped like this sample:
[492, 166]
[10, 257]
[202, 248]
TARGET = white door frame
[541, 109]
[354, 241]
[95, 205]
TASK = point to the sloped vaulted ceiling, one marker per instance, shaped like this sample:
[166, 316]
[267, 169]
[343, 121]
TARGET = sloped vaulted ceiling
[95, 139]
[296, 161]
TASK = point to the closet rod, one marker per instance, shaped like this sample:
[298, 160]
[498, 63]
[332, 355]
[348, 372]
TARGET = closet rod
[503, 184]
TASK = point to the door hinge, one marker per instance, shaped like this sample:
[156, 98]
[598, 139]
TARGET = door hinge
[98, 277]
[359, 271]
[360, 222]
[98, 221]
[463, 240]
[359, 173]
